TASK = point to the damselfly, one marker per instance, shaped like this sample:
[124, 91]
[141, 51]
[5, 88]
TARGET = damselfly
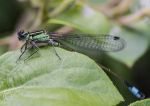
[98, 43]
[89, 42]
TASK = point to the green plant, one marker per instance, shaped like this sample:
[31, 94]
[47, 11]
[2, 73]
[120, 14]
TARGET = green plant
[76, 80]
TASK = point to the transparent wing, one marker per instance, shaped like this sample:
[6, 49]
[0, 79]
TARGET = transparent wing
[97, 42]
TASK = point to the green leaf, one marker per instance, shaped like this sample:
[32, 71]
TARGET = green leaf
[83, 18]
[136, 46]
[74, 72]
[145, 102]
[143, 27]
[39, 96]
[3, 49]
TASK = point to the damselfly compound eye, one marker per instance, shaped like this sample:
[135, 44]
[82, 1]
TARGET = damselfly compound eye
[22, 35]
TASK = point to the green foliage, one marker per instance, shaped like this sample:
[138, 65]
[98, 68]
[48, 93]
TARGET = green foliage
[82, 17]
[75, 77]
[145, 102]
[37, 96]
[75, 80]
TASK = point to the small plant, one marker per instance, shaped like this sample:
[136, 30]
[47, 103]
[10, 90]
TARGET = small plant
[75, 79]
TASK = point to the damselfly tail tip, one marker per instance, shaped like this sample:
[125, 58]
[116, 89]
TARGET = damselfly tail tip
[135, 91]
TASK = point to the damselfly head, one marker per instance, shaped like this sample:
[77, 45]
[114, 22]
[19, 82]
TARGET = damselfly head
[22, 35]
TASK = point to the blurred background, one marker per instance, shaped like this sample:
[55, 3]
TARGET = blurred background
[129, 19]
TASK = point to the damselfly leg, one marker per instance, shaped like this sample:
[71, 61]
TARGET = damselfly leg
[53, 43]
[35, 47]
[25, 47]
